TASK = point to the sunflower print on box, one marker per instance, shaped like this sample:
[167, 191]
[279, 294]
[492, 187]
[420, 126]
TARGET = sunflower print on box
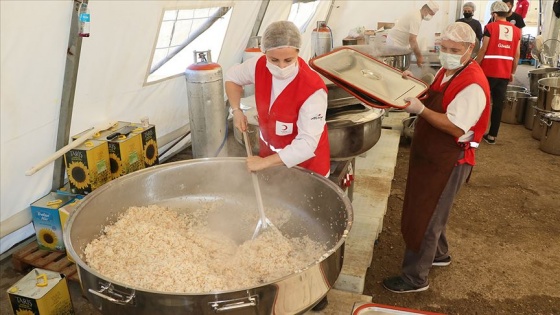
[46, 221]
[149, 144]
[125, 154]
[87, 166]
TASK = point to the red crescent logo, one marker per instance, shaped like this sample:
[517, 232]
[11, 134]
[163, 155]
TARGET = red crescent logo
[284, 127]
[507, 30]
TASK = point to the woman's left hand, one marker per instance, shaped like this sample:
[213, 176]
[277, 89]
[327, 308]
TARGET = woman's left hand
[256, 163]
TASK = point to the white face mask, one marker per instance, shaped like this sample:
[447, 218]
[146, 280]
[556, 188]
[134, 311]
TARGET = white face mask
[282, 73]
[428, 17]
[451, 61]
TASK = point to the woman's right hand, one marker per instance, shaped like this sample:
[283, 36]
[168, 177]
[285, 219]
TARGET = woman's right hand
[239, 120]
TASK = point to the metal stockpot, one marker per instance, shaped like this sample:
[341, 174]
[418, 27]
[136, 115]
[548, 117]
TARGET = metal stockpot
[538, 123]
[353, 130]
[514, 107]
[396, 57]
[549, 94]
[550, 134]
[530, 112]
[537, 74]
[318, 208]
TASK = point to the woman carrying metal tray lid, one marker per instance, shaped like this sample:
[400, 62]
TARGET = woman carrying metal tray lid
[291, 101]
[451, 122]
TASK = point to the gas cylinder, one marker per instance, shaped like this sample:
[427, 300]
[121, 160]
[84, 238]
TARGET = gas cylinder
[253, 50]
[207, 108]
[321, 38]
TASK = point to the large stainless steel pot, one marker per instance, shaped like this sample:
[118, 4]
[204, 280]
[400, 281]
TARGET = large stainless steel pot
[550, 134]
[396, 57]
[514, 107]
[549, 94]
[318, 209]
[353, 130]
[541, 73]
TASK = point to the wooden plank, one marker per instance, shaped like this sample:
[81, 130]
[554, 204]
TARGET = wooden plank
[32, 256]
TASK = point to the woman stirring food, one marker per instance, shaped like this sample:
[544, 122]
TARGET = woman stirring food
[291, 101]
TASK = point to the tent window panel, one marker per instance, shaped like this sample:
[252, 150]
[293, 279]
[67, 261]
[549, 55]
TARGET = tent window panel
[184, 31]
[301, 13]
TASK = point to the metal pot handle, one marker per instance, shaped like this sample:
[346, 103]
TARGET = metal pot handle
[224, 306]
[122, 298]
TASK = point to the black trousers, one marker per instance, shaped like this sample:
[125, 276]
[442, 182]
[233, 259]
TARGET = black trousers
[498, 88]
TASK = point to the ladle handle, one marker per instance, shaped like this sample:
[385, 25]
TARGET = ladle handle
[247, 144]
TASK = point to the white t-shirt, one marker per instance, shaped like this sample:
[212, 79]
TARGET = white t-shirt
[311, 119]
[465, 109]
[408, 24]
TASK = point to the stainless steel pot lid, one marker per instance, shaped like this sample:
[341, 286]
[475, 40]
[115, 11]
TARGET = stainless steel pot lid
[370, 80]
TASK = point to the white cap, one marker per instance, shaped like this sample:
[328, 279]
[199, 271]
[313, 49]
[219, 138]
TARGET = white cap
[459, 32]
[433, 6]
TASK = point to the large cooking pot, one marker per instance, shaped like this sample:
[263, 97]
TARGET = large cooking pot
[337, 96]
[318, 209]
[530, 112]
[541, 73]
[538, 123]
[396, 57]
[549, 94]
[550, 134]
[353, 130]
[514, 107]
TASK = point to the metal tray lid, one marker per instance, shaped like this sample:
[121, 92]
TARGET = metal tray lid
[368, 79]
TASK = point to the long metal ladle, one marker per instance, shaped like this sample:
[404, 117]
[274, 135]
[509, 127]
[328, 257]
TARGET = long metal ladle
[263, 222]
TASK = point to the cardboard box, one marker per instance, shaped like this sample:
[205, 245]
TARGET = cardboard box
[126, 153]
[41, 292]
[88, 166]
[149, 143]
[64, 213]
[46, 220]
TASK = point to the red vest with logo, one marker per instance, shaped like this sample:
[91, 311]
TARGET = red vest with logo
[471, 74]
[504, 39]
[285, 111]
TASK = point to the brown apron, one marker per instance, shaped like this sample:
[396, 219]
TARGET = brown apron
[433, 156]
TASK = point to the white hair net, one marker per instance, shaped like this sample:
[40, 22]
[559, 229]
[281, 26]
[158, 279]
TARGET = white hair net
[459, 32]
[281, 34]
[470, 5]
[499, 6]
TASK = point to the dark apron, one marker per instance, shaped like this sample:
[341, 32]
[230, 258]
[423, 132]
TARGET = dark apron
[433, 156]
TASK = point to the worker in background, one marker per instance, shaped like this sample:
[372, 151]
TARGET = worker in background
[291, 102]
[512, 17]
[468, 13]
[405, 32]
[522, 8]
[498, 57]
[451, 122]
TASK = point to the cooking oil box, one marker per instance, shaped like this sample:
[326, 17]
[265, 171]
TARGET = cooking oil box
[46, 220]
[64, 213]
[149, 143]
[126, 153]
[41, 292]
[87, 166]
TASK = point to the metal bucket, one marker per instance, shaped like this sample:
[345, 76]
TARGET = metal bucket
[549, 94]
[541, 73]
[530, 112]
[514, 107]
[319, 209]
[550, 134]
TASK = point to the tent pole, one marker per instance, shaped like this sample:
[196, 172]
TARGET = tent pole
[68, 92]
[260, 17]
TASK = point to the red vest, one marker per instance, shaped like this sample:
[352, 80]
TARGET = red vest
[471, 74]
[285, 110]
[499, 57]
